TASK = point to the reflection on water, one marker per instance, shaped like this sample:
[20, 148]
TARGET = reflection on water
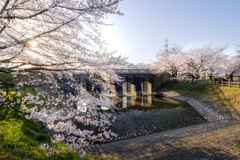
[147, 101]
[124, 102]
[144, 115]
[104, 108]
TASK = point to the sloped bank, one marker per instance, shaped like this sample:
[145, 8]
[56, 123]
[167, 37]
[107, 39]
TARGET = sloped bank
[207, 108]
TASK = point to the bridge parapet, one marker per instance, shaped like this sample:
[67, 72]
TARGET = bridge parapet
[135, 71]
[121, 71]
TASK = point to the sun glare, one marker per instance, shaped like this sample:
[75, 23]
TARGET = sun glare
[33, 44]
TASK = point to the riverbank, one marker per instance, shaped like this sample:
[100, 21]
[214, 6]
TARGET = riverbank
[212, 102]
[217, 96]
[217, 139]
[210, 110]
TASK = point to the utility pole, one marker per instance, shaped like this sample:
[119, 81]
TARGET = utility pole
[166, 46]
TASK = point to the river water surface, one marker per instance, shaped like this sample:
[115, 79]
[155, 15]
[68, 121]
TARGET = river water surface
[137, 116]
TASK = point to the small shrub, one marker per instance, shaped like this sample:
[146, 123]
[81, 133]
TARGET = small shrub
[9, 145]
[2, 139]
[43, 137]
[33, 143]
[19, 153]
[20, 144]
[22, 153]
[15, 158]
[28, 132]
[30, 124]
[6, 77]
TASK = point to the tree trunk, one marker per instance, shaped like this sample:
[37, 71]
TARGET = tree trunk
[192, 79]
[231, 77]
[210, 77]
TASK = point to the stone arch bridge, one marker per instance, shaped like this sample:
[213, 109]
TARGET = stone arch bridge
[136, 81]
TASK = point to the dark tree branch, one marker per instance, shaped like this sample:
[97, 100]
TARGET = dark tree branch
[31, 16]
[5, 6]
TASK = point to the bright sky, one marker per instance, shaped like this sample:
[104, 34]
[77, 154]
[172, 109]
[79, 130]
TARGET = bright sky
[142, 31]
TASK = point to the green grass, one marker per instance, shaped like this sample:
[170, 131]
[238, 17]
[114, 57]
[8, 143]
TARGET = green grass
[8, 77]
[235, 145]
[196, 88]
[221, 95]
[20, 138]
[43, 138]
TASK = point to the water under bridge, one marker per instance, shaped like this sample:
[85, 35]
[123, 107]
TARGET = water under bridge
[135, 81]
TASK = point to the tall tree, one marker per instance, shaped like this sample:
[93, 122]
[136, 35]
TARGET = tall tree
[52, 35]
[170, 61]
[231, 66]
[202, 59]
[60, 35]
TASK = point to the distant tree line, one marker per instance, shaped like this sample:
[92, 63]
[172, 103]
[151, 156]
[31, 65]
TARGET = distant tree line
[206, 60]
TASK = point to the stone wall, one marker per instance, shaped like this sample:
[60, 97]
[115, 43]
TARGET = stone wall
[209, 112]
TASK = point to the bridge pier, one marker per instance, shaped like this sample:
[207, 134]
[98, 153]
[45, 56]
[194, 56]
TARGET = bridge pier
[129, 89]
[146, 88]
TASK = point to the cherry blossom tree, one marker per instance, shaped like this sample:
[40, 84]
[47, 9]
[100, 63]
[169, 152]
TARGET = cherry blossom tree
[216, 70]
[52, 35]
[231, 66]
[170, 61]
[56, 37]
[201, 60]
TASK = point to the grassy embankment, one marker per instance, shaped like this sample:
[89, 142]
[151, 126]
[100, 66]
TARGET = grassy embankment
[221, 95]
[20, 138]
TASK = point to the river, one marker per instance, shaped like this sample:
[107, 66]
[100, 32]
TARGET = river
[137, 116]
